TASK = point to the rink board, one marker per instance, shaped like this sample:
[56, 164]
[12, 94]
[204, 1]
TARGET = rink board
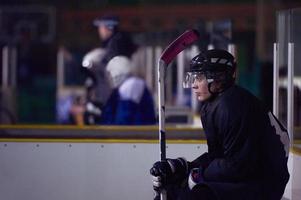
[100, 170]
[96, 163]
[77, 171]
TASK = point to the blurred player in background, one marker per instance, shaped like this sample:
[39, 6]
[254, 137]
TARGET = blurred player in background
[131, 102]
[114, 41]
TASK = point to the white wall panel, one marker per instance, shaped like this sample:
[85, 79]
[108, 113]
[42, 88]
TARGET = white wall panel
[77, 171]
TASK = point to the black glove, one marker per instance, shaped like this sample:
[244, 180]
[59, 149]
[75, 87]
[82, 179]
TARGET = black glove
[170, 171]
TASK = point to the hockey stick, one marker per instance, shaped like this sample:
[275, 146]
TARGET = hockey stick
[178, 45]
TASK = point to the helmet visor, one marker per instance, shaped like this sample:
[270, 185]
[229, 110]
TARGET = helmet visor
[192, 77]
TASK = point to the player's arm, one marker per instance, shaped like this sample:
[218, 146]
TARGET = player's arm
[202, 161]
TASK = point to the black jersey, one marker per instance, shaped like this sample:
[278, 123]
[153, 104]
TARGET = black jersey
[119, 44]
[247, 147]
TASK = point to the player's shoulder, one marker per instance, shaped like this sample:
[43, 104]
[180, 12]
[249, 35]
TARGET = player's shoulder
[133, 82]
[237, 93]
[120, 36]
[238, 98]
[132, 89]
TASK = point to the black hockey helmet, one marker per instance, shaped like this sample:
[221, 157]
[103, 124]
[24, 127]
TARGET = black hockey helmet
[213, 65]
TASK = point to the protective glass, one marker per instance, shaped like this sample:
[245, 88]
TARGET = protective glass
[191, 77]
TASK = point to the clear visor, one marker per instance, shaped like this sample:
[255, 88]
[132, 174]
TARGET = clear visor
[192, 77]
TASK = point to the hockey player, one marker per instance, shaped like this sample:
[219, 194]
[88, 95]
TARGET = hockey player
[247, 146]
[131, 102]
[114, 41]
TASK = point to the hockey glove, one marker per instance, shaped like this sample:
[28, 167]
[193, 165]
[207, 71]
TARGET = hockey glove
[167, 172]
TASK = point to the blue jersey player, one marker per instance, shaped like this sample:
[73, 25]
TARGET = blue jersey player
[131, 102]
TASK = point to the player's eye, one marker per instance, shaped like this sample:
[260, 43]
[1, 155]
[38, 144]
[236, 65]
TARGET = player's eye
[199, 77]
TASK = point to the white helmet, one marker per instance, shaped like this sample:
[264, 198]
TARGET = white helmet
[119, 69]
[93, 58]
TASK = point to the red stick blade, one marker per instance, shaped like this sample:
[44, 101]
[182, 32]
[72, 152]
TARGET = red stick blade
[179, 44]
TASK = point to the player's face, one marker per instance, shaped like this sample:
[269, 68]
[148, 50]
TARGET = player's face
[200, 88]
[103, 32]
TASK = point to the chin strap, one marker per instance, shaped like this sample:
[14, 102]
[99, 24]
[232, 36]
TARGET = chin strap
[220, 90]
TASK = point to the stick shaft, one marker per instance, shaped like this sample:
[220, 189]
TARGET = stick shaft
[161, 105]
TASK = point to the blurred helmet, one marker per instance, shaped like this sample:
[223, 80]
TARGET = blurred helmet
[213, 65]
[109, 21]
[119, 69]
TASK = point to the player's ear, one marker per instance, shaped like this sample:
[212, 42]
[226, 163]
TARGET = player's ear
[216, 87]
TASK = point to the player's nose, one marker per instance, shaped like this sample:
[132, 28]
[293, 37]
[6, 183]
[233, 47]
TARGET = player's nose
[194, 85]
